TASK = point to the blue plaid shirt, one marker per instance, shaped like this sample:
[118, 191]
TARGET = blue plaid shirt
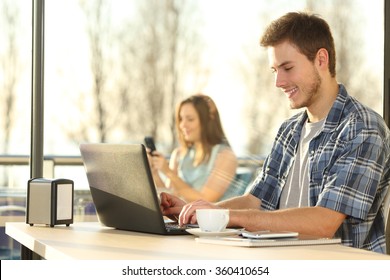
[349, 169]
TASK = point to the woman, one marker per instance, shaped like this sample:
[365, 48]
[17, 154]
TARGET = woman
[204, 165]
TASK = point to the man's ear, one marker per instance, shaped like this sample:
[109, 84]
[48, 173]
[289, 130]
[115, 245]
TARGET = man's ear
[322, 59]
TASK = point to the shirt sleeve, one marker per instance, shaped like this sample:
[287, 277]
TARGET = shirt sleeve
[350, 182]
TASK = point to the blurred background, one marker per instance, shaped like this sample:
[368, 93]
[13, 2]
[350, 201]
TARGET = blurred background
[115, 70]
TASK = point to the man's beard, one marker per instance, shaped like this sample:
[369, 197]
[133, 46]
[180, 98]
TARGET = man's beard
[309, 92]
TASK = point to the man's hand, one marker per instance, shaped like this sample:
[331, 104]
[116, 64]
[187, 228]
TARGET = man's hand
[188, 213]
[171, 205]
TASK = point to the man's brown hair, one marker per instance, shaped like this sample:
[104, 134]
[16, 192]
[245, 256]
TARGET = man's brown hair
[307, 32]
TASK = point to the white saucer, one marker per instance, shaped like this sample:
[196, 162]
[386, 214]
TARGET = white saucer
[198, 232]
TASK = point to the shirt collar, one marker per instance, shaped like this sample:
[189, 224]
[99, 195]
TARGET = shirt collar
[336, 112]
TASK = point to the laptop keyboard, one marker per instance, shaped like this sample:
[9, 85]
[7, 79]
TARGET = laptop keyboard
[176, 227]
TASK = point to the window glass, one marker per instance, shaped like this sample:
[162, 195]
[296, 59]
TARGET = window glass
[114, 71]
[15, 93]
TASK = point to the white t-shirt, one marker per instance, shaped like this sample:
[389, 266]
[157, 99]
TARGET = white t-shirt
[296, 191]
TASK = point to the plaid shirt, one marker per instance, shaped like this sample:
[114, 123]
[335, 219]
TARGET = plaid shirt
[349, 169]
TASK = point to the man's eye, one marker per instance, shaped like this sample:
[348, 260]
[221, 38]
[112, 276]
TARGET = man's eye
[288, 68]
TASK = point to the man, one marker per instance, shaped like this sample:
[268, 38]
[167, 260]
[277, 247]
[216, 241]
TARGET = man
[329, 169]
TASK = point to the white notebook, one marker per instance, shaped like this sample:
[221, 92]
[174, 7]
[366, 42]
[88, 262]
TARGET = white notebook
[249, 242]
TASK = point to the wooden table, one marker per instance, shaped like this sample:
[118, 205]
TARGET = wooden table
[92, 241]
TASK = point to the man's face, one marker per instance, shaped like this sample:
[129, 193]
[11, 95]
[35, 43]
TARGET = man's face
[295, 75]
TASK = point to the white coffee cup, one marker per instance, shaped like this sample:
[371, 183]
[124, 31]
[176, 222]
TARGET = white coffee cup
[212, 220]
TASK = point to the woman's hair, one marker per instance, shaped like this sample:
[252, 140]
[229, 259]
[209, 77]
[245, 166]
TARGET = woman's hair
[307, 32]
[210, 123]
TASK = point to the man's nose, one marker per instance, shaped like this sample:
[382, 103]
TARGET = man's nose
[279, 80]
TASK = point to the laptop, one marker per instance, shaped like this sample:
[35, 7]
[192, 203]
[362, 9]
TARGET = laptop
[123, 189]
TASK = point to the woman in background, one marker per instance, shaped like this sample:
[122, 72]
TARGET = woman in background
[204, 165]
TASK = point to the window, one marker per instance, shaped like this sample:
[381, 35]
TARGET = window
[115, 70]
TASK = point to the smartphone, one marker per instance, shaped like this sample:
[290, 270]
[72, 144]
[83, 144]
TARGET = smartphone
[264, 234]
[149, 142]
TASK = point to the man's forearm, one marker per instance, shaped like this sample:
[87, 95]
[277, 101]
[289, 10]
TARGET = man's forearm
[316, 221]
[242, 202]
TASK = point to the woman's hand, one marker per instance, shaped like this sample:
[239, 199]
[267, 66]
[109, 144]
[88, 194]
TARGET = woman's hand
[158, 162]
